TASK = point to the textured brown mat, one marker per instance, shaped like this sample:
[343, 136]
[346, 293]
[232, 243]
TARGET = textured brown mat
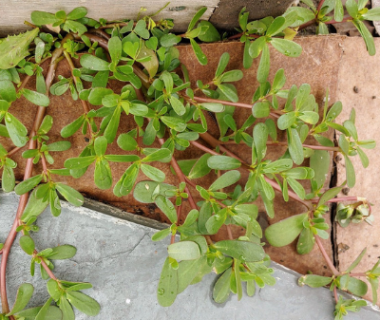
[320, 65]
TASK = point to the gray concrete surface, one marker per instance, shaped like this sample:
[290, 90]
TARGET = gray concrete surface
[123, 264]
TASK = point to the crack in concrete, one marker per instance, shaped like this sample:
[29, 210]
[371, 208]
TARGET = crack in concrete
[112, 256]
[334, 180]
[333, 209]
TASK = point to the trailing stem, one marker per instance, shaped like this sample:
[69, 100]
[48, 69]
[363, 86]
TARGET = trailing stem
[326, 256]
[273, 113]
[86, 109]
[27, 174]
[281, 143]
[215, 143]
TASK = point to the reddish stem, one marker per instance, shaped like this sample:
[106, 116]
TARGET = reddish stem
[72, 67]
[320, 4]
[281, 143]
[193, 205]
[340, 199]
[172, 239]
[237, 36]
[86, 109]
[115, 24]
[27, 174]
[326, 256]
[215, 143]
[47, 269]
[188, 181]
[334, 149]
[179, 208]
[104, 44]
[203, 148]
[181, 177]
[13, 151]
[307, 24]
[23, 84]
[44, 164]
[314, 147]
[336, 295]
[229, 232]
[291, 194]
[235, 104]
[6, 250]
[358, 274]
[100, 33]
[345, 19]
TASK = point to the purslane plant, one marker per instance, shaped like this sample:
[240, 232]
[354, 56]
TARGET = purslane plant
[168, 111]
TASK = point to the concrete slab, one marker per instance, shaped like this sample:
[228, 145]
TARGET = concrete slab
[124, 265]
[360, 89]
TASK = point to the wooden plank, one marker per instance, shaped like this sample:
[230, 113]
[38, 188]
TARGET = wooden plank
[14, 13]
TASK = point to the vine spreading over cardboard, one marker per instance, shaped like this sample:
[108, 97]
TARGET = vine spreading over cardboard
[166, 109]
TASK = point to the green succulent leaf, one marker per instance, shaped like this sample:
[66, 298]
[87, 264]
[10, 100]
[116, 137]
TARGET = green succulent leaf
[320, 163]
[168, 285]
[188, 270]
[286, 231]
[8, 179]
[223, 163]
[314, 281]
[27, 244]
[356, 262]
[37, 98]
[102, 174]
[353, 285]
[286, 47]
[198, 52]
[276, 26]
[367, 36]
[222, 65]
[222, 287]
[196, 17]
[200, 168]
[162, 234]
[306, 241]
[242, 250]
[48, 310]
[17, 131]
[264, 66]
[27, 185]
[83, 303]
[225, 180]
[94, 63]
[24, 294]
[167, 208]
[70, 194]
[184, 250]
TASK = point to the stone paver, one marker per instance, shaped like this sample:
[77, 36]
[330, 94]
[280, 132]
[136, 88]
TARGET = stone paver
[123, 264]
